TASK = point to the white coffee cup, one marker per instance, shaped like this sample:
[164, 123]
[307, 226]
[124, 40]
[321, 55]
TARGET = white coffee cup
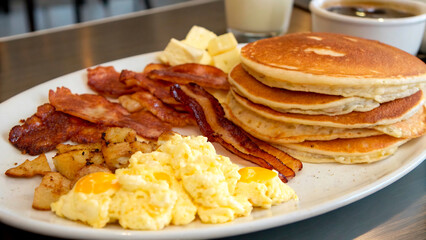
[258, 18]
[404, 33]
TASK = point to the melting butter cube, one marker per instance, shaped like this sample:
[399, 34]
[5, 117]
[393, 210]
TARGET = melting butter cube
[206, 58]
[199, 37]
[178, 52]
[227, 60]
[223, 43]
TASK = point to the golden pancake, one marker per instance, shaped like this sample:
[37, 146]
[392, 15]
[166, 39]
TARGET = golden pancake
[334, 64]
[284, 100]
[412, 127]
[348, 151]
[279, 132]
[387, 113]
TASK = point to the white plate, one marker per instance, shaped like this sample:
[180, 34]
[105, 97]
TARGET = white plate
[320, 187]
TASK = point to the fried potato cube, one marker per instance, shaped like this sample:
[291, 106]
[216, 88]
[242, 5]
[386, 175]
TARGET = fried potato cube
[63, 148]
[120, 144]
[116, 155]
[69, 163]
[116, 148]
[88, 170]
[165, 136]
[30, 168]
[144, 147]
[118, 135]
[52, 186]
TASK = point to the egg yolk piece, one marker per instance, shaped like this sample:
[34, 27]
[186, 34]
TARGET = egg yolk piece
[256, 174]
[98, 182]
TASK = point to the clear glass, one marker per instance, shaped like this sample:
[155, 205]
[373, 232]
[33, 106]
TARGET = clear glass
[254, 19]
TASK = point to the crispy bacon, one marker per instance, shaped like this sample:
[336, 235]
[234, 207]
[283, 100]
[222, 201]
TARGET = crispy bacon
[47, 128]
[97, 109]
[106, 82]
[289, 161]
[89, 132]
[203, 75]
[129, 103]
[155, 66]
[146, 124]
[162, 111]
[211, 120]
[158, 88]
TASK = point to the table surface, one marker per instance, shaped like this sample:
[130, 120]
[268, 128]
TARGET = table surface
[395, 212]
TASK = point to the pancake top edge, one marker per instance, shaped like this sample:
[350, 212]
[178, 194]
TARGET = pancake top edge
[332, 59]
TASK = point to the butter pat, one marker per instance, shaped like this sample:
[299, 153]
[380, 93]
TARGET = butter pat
[227, 60]
[204, 47]
[199, 37]
[206, 59]
[178, 52]
[223, 43]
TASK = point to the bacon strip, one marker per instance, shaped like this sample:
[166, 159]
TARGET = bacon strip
[129, 103]
[106, 82]
[162, 111]
[155, 66]
[203, 75]
[99, 110]
[89, 133]
[289, 161]
[146, 125]
[211, 120]
[158, 88]
[47, 128]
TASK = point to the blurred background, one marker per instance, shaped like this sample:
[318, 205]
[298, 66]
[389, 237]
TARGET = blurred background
[21, 16]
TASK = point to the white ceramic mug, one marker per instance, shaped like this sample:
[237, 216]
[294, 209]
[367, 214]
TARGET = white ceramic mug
[258, 18]
[404, 33]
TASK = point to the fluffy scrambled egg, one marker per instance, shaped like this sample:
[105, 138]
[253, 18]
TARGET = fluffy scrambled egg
[182, 179]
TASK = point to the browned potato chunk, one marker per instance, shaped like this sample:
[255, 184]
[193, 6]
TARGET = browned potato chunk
[52, 186]
[69, 163]
[30, 168]
[144, 147]
[119, 145]
[63, 148]
[166, 136]
[118, 135]
[117, 155]
[88, 170]
[115, 150]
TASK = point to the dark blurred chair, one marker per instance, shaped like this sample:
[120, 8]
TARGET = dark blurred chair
[4, 6]
[30, 8]
[77, 8]
[79, 3]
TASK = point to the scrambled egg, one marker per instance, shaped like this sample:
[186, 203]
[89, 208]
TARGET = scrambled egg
[184, 178]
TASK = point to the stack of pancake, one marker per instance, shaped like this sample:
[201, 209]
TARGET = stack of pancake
[325, 97]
